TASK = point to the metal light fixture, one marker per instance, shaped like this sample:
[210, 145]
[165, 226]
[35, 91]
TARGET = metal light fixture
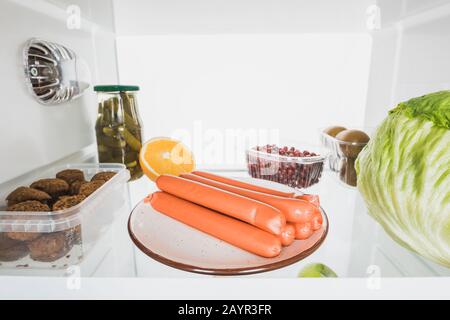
[54, 73]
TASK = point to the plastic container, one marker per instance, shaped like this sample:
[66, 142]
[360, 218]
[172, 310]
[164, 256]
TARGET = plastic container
[329, 143]
[66, 236]
[119, 127]
[348, 152]
[343, 155]
[295, 171]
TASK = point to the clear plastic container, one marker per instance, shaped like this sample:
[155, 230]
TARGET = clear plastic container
[295, 171]
[65, 237]
[347, 153]
[329, 143]
[343, 155]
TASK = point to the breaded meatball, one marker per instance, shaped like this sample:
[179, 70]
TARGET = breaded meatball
[89, 188]
[11, 250]
[54, 187]
[14, 253]
[75, 187]
[23, 236]
[49, 247]
[22, 194]
[105, 176]
[70, 175]
[31, 205]
[66, 202]
[6, 242]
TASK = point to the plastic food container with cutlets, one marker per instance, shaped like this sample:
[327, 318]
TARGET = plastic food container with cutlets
[297, 172]
[64, 238]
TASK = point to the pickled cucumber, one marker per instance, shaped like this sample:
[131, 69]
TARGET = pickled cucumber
[132, 141]
[108, 131]
[112, 142]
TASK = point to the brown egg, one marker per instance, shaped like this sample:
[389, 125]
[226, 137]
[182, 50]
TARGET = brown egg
[353, 142]
[333, 131]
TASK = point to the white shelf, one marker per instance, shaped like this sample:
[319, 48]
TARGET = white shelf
[369, 264]
[355, 244]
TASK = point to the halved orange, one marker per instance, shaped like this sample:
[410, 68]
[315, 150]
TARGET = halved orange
[164, 155]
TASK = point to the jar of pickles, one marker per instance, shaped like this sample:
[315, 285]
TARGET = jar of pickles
[119, 127]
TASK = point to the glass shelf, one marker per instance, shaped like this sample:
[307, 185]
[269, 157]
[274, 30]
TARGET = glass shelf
[356, 245]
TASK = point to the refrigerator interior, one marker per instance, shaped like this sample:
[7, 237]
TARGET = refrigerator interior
[217, 71]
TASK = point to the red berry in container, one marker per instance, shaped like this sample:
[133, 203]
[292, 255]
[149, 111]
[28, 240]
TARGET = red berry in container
[294, 172]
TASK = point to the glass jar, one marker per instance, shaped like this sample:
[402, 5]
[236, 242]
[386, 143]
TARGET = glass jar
[119, 127]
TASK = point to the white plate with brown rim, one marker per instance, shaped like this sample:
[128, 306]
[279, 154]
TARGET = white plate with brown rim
[180, 246]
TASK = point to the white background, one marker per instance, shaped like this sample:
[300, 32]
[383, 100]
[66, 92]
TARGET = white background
[293, 66]
[287, 69]
[291, 83]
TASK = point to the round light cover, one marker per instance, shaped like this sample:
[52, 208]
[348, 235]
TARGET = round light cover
[54, 73]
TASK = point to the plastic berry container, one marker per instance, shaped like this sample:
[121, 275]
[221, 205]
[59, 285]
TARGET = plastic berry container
[296, 167]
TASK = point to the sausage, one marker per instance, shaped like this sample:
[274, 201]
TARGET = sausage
[295, 210]
[312, 198]
[287, 235]
[244, 185]
[303, 231]
[251, 211]
[232, 231]
[316, 222]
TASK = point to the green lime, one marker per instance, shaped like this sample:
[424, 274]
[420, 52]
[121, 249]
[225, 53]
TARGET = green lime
[317, 270]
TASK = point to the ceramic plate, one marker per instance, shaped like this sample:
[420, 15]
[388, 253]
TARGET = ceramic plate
[180, 246]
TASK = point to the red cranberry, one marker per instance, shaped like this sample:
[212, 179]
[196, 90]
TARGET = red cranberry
[290, 173]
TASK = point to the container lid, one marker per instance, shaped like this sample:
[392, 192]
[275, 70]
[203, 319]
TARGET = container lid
[55, 221]
[321, 155]
[115, 88]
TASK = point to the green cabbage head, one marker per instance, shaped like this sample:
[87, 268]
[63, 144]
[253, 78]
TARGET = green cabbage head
[404, 175]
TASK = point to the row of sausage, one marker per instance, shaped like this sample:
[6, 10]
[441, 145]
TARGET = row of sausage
[254, 218]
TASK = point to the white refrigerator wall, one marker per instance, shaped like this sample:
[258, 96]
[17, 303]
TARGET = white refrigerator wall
[410, 54]
[410, 57]
[33, 135]
[225, 75]
[286, 67]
